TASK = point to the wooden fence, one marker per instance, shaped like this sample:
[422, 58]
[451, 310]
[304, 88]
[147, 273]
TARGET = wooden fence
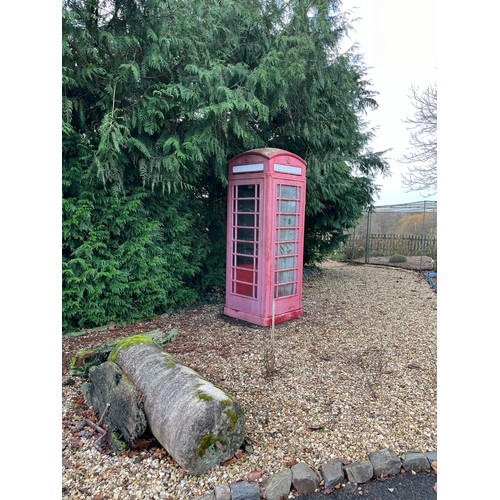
[385, 245]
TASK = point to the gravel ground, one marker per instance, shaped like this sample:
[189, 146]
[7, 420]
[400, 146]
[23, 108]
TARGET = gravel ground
[357, 373]
[412, 262]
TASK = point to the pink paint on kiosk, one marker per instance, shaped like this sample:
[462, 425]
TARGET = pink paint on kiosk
[265, 236]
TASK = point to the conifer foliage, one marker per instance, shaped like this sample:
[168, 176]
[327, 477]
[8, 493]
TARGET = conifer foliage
[157, 95]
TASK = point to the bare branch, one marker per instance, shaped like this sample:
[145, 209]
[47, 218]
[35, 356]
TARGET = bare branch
[422, 126]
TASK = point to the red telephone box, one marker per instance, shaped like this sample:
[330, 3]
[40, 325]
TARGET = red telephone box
[265, 236]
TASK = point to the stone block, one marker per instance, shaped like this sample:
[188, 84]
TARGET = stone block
[333, 473]
[278, 485]
[385, 462]
[431, 456]
[243, 490]
[207, 496]
[359, 472]
[304, 479]
[416, 462]
[222, 492]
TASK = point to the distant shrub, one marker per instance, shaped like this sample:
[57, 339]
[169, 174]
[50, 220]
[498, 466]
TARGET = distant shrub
[353, 251]
[393, 259]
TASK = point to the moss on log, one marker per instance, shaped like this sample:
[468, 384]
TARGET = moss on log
[87, 358]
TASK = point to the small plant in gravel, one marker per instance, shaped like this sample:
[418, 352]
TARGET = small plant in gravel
[393, 259]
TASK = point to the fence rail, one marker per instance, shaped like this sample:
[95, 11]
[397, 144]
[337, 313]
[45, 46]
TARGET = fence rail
[385, 245]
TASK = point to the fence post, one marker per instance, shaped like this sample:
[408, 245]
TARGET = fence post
[367, 243]
[423, 239]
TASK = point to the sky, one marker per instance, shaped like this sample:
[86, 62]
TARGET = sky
[398, 40]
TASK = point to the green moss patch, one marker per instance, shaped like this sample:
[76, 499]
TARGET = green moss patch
[84, 360]
[87, 358]
[203, 396]
[118, 445]
[127, 342]
[206, 442]
[78, 360]
[234, 420]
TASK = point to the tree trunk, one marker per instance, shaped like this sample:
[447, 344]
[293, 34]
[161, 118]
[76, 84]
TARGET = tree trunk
[197, 423]
[87, 358]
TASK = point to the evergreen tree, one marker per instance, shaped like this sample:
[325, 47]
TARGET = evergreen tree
[157, 96]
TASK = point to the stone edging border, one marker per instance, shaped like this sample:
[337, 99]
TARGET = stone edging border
[335, 474]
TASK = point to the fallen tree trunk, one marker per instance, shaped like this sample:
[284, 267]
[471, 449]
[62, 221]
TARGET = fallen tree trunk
[85, 359]
[197, 423]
